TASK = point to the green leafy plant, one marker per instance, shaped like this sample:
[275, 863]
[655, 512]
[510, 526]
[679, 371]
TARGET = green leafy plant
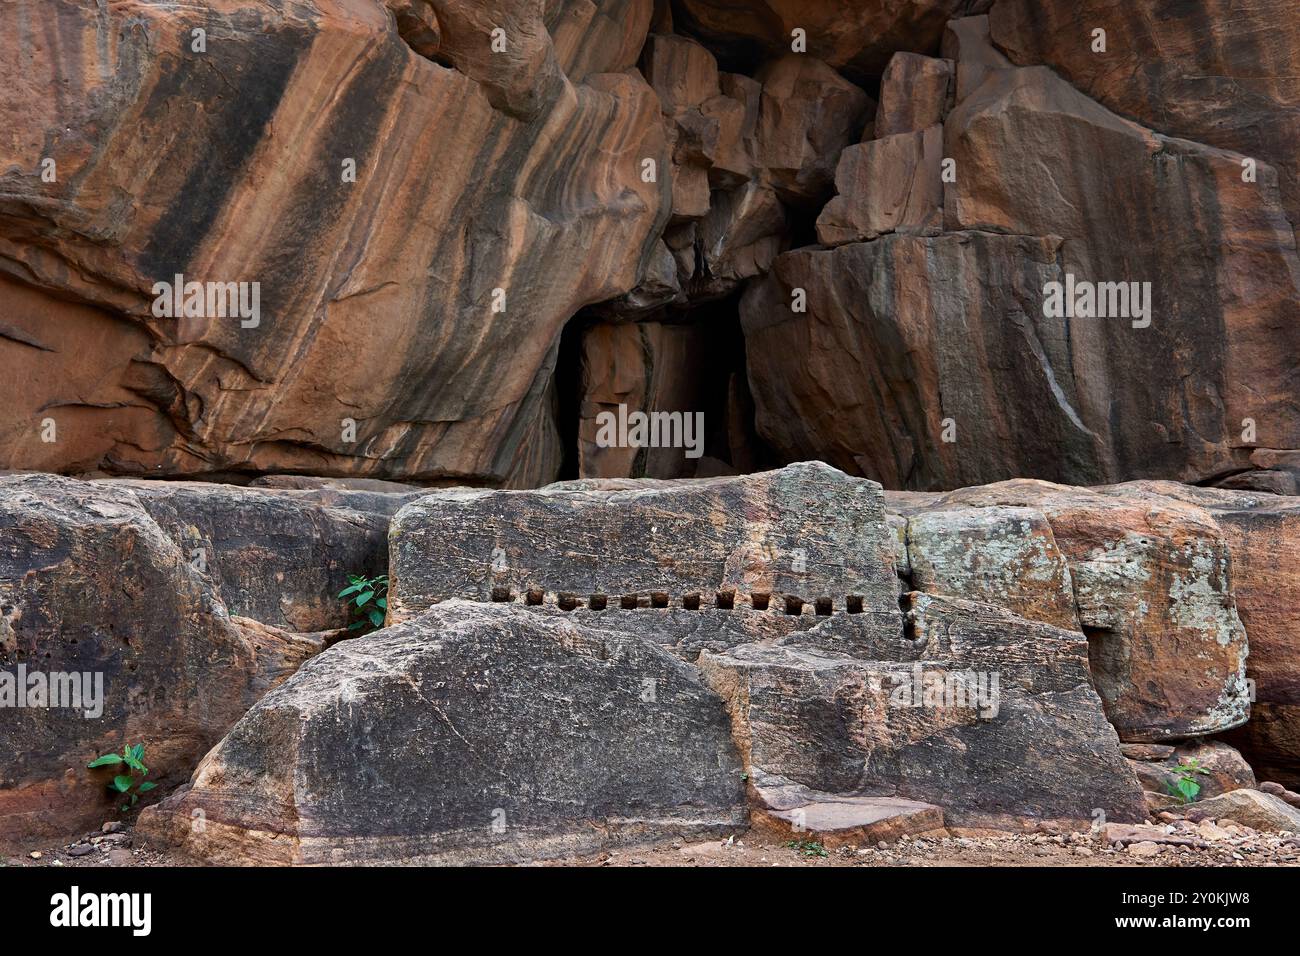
[368, 598]
[808, 848]
[1185, 784]
[127, 784]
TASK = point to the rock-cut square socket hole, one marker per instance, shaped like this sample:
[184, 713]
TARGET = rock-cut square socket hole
[502, 594]
[628, 602]
[659, 599]
[853, 603]
[760, 601]
[598, 602]
[535, 596]
[793, 605]
[691, 602]
[824, 606]
[726, 600]
[568, 602]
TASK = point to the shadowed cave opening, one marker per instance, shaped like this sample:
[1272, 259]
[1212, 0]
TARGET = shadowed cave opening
[690, 362]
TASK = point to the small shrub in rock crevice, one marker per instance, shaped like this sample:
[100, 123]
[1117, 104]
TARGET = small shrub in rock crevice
[367, 599]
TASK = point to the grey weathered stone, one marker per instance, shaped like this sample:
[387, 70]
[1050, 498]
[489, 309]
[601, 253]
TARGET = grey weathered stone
[1153, 588]
[410, 744]
[90, 585]
[1003, 555]
[788, 537]
[1036, 744]
[277, 556]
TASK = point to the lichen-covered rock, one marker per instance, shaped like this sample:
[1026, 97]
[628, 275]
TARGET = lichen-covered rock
[474, 733]
[787, 539]
[1004, 556]
[985, 714]
[1262, 531]
[1152, 578]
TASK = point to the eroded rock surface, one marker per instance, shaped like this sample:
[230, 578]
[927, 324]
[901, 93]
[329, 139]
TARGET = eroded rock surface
[103, 610]
[1152, 581]
[926, 722]
[785, 539]
[473, 733]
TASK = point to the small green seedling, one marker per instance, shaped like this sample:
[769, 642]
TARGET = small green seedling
[1185, 785]
[808, 848]
[367, 597]
[126, 784]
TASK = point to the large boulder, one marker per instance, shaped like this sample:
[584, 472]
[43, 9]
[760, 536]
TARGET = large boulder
[1262, 531]
[276, 556]
[983, 713]
[791, 540]
[473, 733]
[98, 602]
[1251, 808]
[1152, 579]
[953, 360]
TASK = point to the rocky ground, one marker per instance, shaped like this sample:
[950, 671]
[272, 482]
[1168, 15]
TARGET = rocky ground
[1175, 843]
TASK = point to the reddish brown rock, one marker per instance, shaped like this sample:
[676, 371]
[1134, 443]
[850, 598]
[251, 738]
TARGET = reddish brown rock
[550, 184]
[890, 184]
[967, 45]
[918, 346]
[1224, 769]
[1222, 72]
[915, 93]
[1153, 589]
[681, 71]
[912, 340]
[809, 114]
[660, 369]
[859, 36]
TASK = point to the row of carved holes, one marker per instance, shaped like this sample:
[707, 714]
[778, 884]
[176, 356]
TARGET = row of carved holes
[724, 600]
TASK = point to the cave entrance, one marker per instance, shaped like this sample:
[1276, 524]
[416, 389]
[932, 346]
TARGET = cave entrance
[618, 381]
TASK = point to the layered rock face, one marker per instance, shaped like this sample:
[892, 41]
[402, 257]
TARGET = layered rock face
[307, 161]
[485, 177]
[921, 333]
[553, 649]
[599, 272]
[806, 536]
